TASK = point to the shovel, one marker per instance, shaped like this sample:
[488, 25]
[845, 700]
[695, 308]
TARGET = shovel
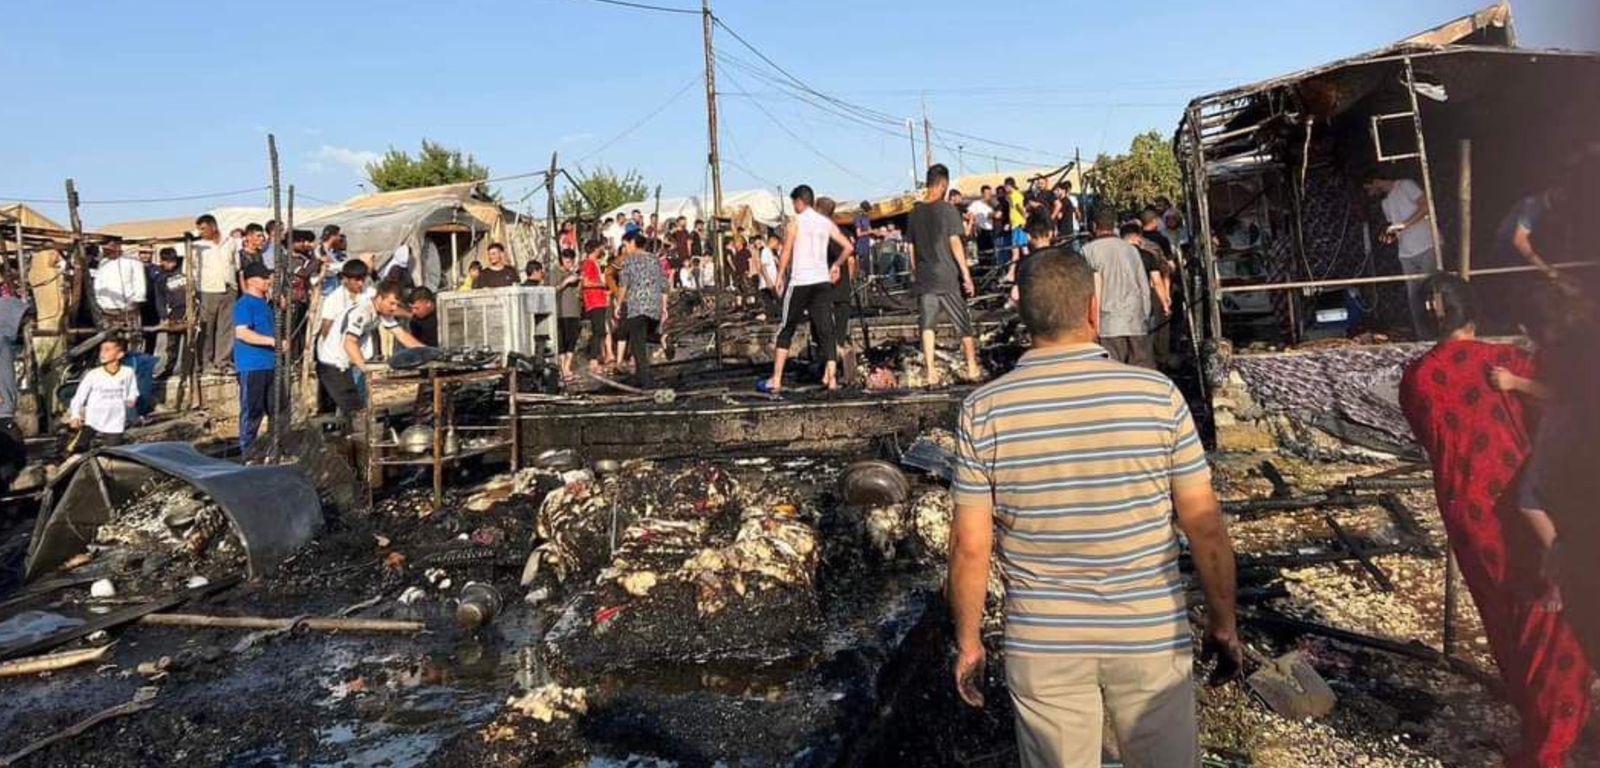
[1289, 686]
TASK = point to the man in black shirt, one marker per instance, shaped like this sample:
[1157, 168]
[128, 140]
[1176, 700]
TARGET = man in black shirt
[424, 316]
[498, 274]
[1155, 267]
[1002, 225]
[170, 289]
[1167, 288]
[939, 271]
[841, 269]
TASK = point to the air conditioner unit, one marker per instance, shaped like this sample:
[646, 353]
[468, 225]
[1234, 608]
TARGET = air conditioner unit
[520, 319]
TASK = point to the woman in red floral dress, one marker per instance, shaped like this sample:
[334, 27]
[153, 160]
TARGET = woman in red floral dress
[1478, 439]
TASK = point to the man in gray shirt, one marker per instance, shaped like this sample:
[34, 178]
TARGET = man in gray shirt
[1123, 291]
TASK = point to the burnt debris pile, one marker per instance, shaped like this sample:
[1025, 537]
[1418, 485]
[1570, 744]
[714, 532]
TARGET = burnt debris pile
[684, 563]
[166, 535]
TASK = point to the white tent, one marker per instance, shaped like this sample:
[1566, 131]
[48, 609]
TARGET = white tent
[669, 208]
[765, 207]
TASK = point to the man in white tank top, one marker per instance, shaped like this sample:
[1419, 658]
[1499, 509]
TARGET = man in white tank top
[805, 282]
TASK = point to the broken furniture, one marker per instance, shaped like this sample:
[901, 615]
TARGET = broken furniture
[273, 510]
[452, 442]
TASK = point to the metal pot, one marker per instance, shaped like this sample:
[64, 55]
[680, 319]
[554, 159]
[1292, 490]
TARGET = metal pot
[874, 484]
[604, 467]
[480, 603]
[417, 439]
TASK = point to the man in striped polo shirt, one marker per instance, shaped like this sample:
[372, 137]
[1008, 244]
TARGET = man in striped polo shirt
[1082, 462]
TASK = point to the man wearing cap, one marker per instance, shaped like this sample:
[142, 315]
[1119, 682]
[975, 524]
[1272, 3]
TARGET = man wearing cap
[254, 351]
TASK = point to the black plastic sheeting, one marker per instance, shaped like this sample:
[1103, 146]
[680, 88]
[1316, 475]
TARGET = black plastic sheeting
[273, 509]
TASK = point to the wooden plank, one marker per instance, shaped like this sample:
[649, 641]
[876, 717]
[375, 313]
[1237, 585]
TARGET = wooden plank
[116, 619]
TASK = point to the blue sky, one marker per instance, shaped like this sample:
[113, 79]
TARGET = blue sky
[175, 98]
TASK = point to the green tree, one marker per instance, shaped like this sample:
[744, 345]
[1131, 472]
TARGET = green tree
[435, 165]
[603, 189]
[1131, 181]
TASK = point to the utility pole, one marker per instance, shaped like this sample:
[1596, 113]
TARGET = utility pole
[961, 159]
[927, 135]
[911, 133]
[715, 154]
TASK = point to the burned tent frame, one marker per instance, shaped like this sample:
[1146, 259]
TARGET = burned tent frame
[1426, 108]
[274, 510]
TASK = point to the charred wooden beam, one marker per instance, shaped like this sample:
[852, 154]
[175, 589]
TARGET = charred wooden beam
[1359, 550]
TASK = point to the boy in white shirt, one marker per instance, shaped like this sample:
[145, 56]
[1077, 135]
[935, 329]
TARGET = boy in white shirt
[99, 408]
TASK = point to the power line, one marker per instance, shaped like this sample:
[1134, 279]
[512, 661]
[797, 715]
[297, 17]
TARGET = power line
[883, 116]
[648, 7]
[865, 113]
[647, 118]
[136, 201]
[861, 122]
[801, 141]
[873, 124]
[738, 156]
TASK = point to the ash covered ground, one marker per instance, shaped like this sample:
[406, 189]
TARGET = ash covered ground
[745, 617]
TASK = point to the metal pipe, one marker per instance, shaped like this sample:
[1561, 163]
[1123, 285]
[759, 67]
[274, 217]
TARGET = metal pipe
[1393, 278]
[1427, 175]
[1531, 268]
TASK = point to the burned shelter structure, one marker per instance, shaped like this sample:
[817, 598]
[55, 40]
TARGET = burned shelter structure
[1289, 248]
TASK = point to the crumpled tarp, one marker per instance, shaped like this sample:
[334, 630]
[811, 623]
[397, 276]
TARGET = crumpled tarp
[1356, 384]
[273, 509]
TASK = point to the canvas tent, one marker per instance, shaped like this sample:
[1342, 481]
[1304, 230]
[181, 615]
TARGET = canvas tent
[971, 186]
[762, 206]
[397, 225]
[27, 216]
[383, 224]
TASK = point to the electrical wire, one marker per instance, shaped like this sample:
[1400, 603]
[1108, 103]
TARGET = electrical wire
[648, 7]
[875, 124]
[860, 111]
[643, 120]
[802, 142]
[137, 201]
[739, 156]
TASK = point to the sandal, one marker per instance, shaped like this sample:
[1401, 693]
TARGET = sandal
[764, 386]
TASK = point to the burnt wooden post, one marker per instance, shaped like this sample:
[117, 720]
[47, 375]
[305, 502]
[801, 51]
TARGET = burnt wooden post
[1465, 192]
[1427, 175]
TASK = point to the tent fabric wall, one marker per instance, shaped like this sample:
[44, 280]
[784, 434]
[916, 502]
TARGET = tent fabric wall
[21, 212]
[764, 206]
